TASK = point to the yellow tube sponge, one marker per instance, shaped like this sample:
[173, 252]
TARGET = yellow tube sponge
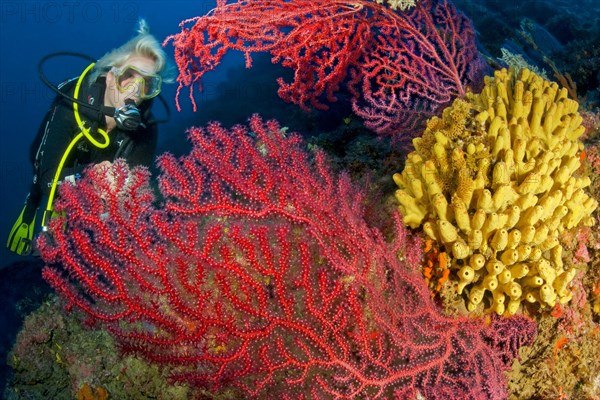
[495, 181]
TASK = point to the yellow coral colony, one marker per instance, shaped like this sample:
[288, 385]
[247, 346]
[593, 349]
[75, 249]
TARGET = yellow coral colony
[401, 4]
[495, 182]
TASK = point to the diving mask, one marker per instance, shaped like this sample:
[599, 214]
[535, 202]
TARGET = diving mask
[134, 80]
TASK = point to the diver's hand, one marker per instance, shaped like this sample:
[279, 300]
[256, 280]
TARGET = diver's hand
[103, 164]
[105, 169]
[112, 179]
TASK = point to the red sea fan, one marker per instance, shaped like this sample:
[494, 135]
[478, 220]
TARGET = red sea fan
[258, 273]
[401, 67]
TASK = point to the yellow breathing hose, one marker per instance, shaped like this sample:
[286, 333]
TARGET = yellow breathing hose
[85, 132]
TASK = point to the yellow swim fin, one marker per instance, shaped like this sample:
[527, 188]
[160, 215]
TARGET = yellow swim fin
[21, 235]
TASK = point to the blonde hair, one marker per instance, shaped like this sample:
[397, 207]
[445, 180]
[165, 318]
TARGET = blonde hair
[144, 44]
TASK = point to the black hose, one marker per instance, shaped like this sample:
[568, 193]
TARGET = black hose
[56, 89]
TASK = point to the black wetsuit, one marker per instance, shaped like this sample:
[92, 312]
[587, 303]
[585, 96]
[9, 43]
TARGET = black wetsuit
[59, 128]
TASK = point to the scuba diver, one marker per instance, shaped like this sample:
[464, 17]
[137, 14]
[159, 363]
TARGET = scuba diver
[102, 115]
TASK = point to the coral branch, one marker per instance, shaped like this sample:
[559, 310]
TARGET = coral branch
[259, 273]
[400, 66]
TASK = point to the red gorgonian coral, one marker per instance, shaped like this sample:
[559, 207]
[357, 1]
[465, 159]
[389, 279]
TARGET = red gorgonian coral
[401, 67]
[258, 272]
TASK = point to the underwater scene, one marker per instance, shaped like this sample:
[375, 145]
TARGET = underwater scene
[300, 199]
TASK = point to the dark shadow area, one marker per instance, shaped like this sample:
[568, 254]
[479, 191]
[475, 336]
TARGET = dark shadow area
[22, 290]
